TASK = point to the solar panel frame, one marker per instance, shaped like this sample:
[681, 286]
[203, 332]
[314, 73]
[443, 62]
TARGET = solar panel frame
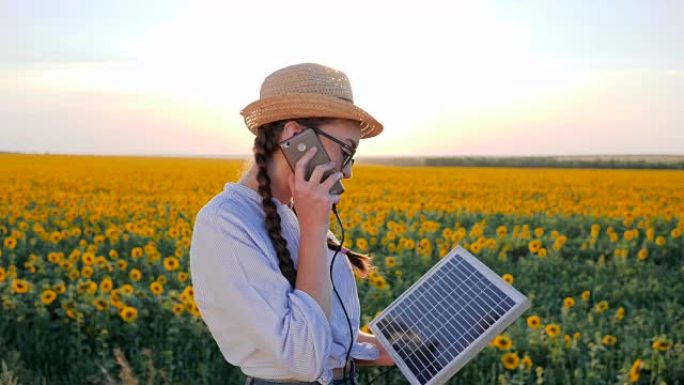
[472, 347]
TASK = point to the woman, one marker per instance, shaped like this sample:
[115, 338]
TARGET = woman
[262, 249]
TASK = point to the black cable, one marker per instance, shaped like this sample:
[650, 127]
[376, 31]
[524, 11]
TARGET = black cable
[332, 263]
[351, 333]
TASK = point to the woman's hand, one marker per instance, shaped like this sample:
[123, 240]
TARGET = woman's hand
[384, 359]
[313, 198]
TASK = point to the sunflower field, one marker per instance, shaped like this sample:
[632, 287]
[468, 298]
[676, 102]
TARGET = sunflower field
[95, 286]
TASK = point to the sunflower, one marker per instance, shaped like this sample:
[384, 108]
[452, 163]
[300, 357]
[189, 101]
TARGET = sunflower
[100, 304]
[10, 243]
[661, 344]
[91, 287]
[178, 309]
[106, 285]
[128, 313]
[101, 261]
[635, 369]
[533, 322]
[73, 314]
[189, 292]
[585, 295]
[87, 272]
[601, 306]
[527, 362]
[3, 275]
[568, 302]
[20, 286]
[501, 231]
[609, 340]
[194, 310]
[88, 258]
[390, 262]
[115, 299]
[502, 342]
[55, 236]
[538, 232]
[54, 257]
[127, 289]
[362, 243]
[620, 314]
[182, 276]
[136, 252]
[135, 275]
[113, 254]
[47, 297]
[156, 288]
[510, 361]
[534, 246]
[552, 330]
[542, 252]
[379, 282]
[60, 288]
[642, 254]
[171, 263]
[122, 264]
[75, 255]
[660, 240]
[508, 278]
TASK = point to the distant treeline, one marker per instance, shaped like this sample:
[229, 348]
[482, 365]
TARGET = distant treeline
[532, 161]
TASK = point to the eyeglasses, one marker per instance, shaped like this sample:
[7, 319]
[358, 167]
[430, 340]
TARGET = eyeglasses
[348, 155]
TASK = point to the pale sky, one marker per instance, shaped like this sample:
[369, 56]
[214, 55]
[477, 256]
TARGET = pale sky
[445, 78]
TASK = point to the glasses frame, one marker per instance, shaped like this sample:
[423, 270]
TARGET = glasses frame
[350, 150]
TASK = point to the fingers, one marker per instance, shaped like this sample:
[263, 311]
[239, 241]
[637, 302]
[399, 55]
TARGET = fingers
[319, 171]
[331, 179]
[300, 165]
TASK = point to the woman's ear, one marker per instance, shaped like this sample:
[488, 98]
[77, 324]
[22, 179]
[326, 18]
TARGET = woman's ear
[290, 129]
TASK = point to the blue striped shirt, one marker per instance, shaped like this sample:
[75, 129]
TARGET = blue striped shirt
[261, 323]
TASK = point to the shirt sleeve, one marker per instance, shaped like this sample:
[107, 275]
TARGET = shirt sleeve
[365, 351]
[249, 307]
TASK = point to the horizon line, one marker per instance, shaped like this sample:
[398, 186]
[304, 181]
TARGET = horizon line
[240, 156]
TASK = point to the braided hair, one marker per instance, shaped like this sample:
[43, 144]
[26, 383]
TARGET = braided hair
[265, 145]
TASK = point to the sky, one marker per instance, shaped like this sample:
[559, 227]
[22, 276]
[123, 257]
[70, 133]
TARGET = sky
[446, 78]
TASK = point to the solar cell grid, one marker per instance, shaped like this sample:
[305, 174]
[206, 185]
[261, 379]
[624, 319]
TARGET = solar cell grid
[438, 320]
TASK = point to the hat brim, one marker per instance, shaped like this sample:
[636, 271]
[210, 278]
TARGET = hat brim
[307, 105]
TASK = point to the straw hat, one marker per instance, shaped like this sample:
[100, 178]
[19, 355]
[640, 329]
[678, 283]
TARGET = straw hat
[307, 90]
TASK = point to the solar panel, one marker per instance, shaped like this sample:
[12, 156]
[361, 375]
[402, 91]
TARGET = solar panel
[446, 317]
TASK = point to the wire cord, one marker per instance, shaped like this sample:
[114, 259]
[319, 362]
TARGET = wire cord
[332, 263]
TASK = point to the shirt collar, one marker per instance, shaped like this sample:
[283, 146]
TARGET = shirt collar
[251, 194]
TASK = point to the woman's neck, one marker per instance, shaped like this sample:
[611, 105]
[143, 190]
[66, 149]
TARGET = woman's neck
[279, 180]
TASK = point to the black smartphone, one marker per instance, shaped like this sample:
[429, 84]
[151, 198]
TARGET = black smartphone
[296, 146]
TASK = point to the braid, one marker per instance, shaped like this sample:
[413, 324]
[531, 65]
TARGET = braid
[265, 143]
[363, 264]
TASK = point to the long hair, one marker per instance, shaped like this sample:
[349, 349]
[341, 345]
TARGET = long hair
[265, 145]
